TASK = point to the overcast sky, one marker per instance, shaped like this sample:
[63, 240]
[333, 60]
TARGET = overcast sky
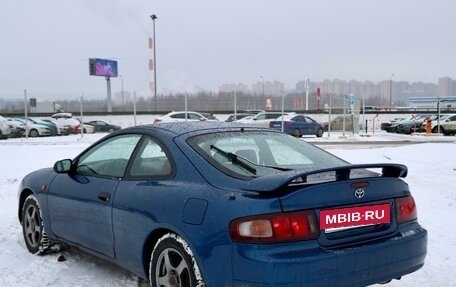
[45, 45]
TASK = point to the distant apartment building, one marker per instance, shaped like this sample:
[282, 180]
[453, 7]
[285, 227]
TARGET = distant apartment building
[268, 88]
[231, 88]
[378, 94]
[372, 93]
[447, 87]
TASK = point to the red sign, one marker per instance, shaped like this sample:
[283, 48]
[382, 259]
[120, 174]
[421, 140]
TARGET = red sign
[355, 216]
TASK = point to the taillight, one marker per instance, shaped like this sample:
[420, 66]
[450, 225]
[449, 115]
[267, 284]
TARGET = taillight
[279, 227]
[287, 124]
[405, 209]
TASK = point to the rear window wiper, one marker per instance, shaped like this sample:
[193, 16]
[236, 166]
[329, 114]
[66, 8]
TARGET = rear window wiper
[234, 159]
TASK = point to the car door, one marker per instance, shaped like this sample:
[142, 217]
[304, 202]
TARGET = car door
[300, 123]
[311, 126]
[451, 124]
[143, 198]
[80, 202]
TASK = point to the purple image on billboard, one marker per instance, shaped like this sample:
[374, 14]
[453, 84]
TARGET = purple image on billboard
[102, 67]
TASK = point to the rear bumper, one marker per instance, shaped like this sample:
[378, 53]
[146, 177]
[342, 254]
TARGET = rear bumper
[299, 264]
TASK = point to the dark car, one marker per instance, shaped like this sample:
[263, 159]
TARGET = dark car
[102, 126]
[298, 125]
[411, 125]
[220, 204]
[388, 126]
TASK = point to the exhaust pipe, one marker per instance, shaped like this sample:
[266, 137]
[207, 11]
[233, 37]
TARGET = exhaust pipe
[388, 281]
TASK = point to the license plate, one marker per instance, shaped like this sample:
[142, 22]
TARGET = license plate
[332, 220]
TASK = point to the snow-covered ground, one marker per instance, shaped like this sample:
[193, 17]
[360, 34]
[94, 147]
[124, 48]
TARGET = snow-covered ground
[432, 179]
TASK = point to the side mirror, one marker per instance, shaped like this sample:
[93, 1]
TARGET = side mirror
[63, 166]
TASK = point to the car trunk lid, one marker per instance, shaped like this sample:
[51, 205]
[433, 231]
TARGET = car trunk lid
[353, 203]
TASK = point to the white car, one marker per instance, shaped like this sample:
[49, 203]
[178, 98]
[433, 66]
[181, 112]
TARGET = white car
[180, 117]
[5, 129]
[448, 127]
[88, 129]
[262, 119]
[67, 119]
[62, 128]
[35, 129]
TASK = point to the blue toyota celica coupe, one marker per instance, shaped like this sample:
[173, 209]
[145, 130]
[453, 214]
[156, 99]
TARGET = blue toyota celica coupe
[220, 204]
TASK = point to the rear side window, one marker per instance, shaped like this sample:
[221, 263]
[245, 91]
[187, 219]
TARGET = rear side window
[151, 161]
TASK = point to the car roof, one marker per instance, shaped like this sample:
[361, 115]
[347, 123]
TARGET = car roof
[182, 112]
[290, 116]
[180, 128]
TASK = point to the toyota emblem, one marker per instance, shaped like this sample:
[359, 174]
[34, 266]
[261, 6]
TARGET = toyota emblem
[359, 193]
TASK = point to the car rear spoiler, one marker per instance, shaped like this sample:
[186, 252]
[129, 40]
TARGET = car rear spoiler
[270, 183]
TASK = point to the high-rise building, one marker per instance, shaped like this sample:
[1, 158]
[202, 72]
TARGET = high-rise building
[447, 87]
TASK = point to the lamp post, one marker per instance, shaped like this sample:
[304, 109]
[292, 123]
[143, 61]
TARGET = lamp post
[153, 17]
[307, 93]
[262, 87]
[122, 92]
[391, 92]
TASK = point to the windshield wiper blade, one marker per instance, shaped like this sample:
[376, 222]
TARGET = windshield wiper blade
[277, 167]
[234, 159]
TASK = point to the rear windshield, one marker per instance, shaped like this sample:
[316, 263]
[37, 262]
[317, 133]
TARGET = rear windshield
[256, 153]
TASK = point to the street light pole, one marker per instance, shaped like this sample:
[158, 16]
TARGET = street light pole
[122, 92]
[153, 17]
[262, 87]
[391, 92]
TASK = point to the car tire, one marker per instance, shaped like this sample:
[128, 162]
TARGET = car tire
[110, 130]
[172, 264]
[297, 133]
[35, 237]
[34, 133]
[319, 133]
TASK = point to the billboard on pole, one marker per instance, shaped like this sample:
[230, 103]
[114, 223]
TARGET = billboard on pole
[102, 67]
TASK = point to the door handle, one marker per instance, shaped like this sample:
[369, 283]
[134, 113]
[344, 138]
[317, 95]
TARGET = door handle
[104, 196]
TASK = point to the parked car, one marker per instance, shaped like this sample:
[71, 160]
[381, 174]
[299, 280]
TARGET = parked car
[337, 124]
[298, 125]
[180, 116]
[387, 125]
[88, 129]
[262, 119]
[222, 204]
[448, 126]
[102, 126]
[67, 119]
[5, 128]
[435, 120]
[17, 128]
[393, 126]
[37, 128]
[237, 116]
[411, 125]
[209, 116]
[62, 129]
